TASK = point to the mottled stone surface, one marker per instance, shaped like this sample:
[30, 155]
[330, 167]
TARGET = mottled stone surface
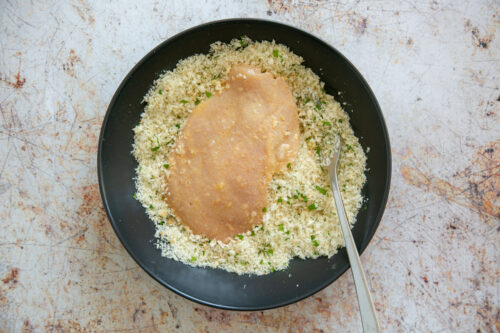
[434, 261]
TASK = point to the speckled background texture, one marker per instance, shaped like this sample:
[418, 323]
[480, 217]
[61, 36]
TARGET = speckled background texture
[434, 262]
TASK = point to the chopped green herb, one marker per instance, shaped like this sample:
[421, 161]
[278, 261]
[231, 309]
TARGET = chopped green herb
[161, 223]
[151, 207]
[318, 150]
[327, 123]
[193, 259]
[244, 263]
[203, 252]
[279, 186]
[157, 146]
[350, 164]
[166, 166]
[349, 147]
[134, 195]
[261, 261]
[313, 237]
[217, 76]
[252, 233]
[288, 202]
[280, 199]
[289, 165]
[178, 125]
[323, 102]
[266, 249]
[312, 206]
[239, 236]
[323, 91]
[197, 102]
[276, 53]
[307, 101]
[242, 42]
[264, 70]
[264, 209]
[183, 101]
[303, 196]
[315, 243]
[295, 196]
[287, 232]
[281, 228]
[321, 190]
[340, 121]
[160, 92]
[318, 106]
[308, 138]
[208, 94]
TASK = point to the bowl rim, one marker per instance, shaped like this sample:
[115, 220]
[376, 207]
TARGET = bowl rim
[202, 26]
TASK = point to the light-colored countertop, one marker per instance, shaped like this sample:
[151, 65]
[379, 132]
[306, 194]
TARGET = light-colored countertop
[434, 261]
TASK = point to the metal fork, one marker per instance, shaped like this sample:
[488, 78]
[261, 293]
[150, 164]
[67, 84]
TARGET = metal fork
[366, 307]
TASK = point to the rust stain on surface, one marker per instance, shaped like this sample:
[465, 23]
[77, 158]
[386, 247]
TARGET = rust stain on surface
[83, 10]
[72, 60]
[27, 327]
[11, 277]
[488, 312]
[90, 196]
[278, 7]
[481, 188]
[359, 23]
[18, 81]
[91, 211]
[480, 41]
[9, 282]
[64, 326]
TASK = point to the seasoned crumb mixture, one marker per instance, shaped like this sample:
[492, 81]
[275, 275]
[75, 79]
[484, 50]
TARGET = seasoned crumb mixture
[300, 220]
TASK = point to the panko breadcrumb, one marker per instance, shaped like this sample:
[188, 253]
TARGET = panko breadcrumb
[300, 220]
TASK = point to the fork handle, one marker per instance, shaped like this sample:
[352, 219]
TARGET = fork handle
[366, 307]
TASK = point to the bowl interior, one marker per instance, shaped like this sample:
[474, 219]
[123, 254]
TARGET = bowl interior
[213, 286]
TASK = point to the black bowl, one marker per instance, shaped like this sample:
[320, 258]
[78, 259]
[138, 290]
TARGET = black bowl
[216, 287]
